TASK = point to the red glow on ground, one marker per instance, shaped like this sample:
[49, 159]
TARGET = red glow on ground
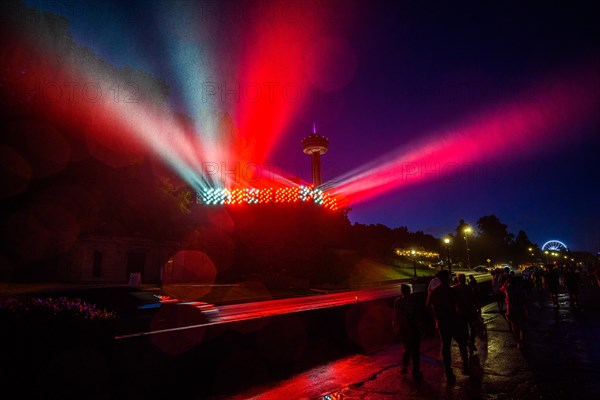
[319, 381]
[544, 118]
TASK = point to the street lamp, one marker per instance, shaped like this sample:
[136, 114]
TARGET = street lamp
[414, 254]
[531, 255]
[447, 242]
[546, 253]
[467, 231]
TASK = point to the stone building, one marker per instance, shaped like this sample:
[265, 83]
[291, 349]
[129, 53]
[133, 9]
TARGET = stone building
[113, 259]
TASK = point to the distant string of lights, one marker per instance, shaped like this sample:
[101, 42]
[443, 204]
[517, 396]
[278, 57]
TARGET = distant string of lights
[301, 194]
[418, 253]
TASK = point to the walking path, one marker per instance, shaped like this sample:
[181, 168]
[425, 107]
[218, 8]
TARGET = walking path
[560, 361]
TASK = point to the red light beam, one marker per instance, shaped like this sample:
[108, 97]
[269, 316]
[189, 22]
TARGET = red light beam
[513, 129]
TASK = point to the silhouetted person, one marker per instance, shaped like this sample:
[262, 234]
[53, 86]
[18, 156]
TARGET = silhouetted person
[466, 311]
[409, 315]
[552, 284]
[571, 282]
[433, 283]
[516, 307]
[442, 302]
[539, 279]
[503, 275]
[472, 283]
[496, 273]
[528, 279]
[596, 274]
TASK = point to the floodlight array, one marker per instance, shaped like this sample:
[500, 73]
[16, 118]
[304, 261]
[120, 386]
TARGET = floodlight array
[301, 194]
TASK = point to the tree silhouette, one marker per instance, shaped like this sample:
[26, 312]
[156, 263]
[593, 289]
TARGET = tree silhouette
[520, 248]
[494, 238]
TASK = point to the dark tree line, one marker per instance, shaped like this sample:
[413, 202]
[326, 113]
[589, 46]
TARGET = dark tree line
[380, 241]
[490, 239]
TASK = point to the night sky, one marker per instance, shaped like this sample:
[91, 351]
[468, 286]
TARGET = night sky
[434, 113]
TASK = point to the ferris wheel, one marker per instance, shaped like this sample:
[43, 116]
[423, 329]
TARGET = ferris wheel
[555, 245]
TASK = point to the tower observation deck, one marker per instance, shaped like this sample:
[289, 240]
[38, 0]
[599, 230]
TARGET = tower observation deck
[315, 145]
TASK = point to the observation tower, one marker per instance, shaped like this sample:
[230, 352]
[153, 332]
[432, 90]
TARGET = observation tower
[314, 145]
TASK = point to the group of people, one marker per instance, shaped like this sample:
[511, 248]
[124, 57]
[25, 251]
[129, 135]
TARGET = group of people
[457, 314]
[545, 281]
[456, 310]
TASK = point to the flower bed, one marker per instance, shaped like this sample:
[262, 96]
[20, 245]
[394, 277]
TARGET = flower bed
[39, 328]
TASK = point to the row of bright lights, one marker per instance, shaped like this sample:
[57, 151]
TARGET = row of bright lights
[553, 254]
[267, 195]
[418, 253]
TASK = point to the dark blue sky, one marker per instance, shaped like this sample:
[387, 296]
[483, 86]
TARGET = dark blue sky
[419, 68]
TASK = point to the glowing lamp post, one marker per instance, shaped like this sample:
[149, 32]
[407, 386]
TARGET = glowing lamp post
[414, 254]
[530, 250]
[447, 243]
[468, 230]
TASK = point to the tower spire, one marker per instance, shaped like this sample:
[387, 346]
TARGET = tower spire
[315, 145]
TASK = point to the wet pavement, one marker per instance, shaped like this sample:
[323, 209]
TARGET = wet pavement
[561, 360]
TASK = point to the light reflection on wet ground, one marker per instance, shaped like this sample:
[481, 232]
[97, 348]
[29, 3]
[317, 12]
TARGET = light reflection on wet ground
[561, 361]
